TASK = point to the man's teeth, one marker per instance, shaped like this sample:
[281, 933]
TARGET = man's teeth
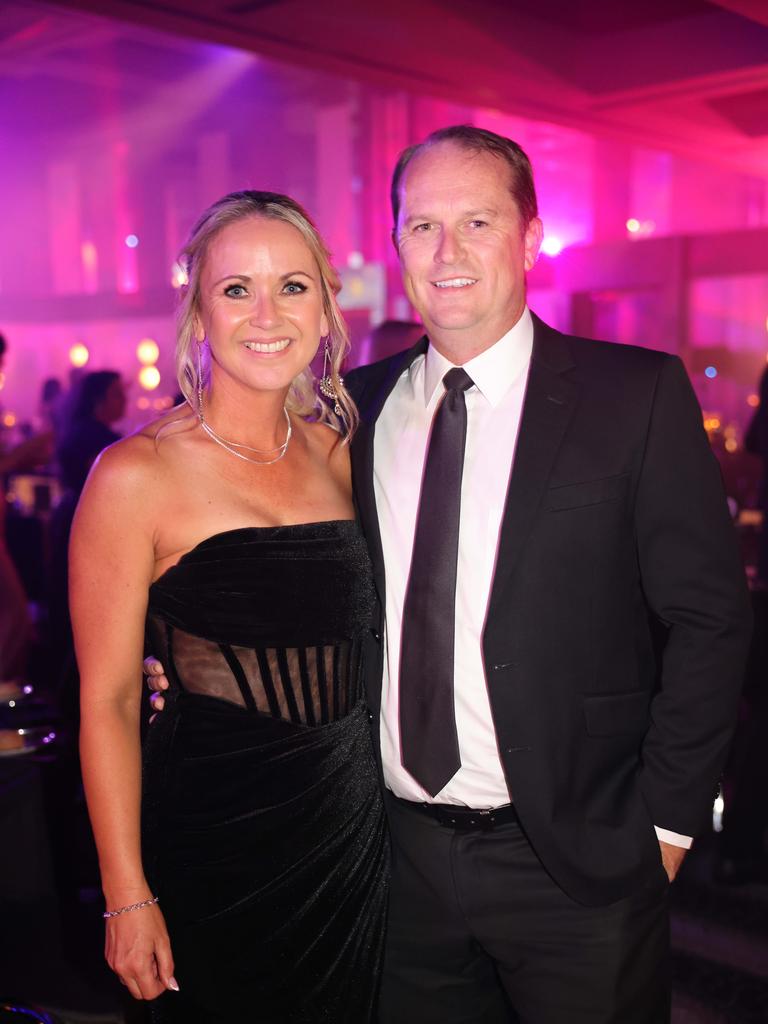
[456, 282]
[268, 346]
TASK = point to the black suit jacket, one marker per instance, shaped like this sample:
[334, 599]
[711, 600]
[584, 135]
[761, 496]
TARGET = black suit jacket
[618, 621]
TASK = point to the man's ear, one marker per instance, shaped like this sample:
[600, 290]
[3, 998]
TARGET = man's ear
[534, 234]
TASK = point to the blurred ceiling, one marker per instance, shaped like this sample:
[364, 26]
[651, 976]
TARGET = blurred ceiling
[687, 76]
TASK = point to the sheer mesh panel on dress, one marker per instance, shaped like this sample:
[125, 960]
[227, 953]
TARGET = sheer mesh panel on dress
[303, 685]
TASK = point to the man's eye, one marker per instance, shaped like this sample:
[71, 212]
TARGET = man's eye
[422, 228]
[295, 287]
[478, 223]
[235, 291]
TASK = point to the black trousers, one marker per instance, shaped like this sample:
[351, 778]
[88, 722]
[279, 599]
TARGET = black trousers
[480, 934]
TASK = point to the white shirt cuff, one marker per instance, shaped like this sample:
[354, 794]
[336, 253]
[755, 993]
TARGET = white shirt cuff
[674, 838]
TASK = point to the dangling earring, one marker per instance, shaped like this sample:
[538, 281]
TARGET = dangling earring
[326, 385]
[200, 379]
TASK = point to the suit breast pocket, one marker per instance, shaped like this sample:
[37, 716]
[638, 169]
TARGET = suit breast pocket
[586, 493]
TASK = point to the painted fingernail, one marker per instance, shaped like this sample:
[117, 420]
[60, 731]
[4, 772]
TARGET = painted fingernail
[172, 983]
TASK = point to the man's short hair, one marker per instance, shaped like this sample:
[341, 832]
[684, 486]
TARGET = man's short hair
[477, 140]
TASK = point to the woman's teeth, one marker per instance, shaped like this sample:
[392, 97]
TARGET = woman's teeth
[268, 346]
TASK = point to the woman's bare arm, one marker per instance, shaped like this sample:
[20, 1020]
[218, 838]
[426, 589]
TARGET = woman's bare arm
[111, 567]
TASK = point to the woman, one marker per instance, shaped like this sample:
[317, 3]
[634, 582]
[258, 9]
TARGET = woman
[228, 526]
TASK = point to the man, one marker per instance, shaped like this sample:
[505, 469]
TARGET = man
[561, 628]
[601, 624]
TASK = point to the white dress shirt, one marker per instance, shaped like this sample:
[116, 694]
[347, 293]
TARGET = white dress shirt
[494, 406]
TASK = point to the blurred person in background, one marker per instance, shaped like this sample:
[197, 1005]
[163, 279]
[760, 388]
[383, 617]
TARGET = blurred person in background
[51, 407]
[98, 402]
[387, 339]
[15, 626]
[741, 855]
[756, 443]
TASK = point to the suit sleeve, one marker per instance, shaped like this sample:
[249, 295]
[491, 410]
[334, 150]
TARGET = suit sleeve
[693, 580]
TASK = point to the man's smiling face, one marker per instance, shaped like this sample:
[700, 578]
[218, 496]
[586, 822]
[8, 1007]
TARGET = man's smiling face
[462, 247]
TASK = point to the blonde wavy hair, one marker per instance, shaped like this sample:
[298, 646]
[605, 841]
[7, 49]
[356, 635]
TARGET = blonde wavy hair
[303, 396]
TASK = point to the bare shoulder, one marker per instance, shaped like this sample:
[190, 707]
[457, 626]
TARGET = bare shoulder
[327, 445]
[134, 470]
[177, 422]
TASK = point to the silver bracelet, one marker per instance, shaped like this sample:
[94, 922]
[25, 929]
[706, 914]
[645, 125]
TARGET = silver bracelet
[133, 906]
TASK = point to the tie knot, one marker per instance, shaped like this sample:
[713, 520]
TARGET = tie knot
[457, 380]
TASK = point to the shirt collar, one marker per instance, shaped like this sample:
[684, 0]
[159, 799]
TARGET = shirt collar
[493, 371]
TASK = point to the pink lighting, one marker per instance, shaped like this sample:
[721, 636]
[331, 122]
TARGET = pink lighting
[89, 258]
[149, 377]
[552, 245]
[147, 352]
[79, 355]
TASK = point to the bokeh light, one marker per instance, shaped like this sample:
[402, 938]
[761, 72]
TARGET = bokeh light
[753, 400]
[633, 225]
[149, 377]
[711, 372]
[131, 241]
[147, 351]
[9, 420]
[79, 354]
[552, 245]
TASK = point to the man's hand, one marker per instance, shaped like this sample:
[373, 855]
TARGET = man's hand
[157, 682]
[671, 856]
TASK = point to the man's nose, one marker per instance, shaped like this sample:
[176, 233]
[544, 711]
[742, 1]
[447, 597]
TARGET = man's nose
[449, 247]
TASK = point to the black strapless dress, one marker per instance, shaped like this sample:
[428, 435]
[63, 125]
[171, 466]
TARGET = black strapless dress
[263, 824]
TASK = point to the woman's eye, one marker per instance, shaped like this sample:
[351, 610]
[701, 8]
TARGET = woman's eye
[295, 287]
[235, 291]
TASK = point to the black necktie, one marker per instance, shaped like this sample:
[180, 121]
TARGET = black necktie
[430, 746]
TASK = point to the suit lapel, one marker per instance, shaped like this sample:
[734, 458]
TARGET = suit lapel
[550, 399]
[370, 405]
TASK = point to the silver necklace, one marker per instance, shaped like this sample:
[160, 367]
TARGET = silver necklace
[232, 446]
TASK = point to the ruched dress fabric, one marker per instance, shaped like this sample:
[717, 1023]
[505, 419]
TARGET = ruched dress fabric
[263, 823]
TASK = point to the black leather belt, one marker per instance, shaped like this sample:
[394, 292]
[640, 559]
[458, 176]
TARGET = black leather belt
[465, 819]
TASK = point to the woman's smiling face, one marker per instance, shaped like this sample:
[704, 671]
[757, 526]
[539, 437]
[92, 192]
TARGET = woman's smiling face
[261, 304]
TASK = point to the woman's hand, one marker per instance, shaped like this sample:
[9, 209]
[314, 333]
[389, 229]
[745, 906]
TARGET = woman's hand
[139, 952]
